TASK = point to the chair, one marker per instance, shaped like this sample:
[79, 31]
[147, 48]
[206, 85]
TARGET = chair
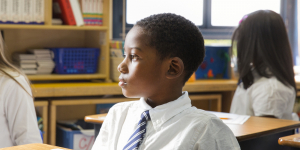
[291, 140]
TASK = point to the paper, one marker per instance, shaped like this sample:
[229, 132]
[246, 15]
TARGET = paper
[101, 118]
[228, 118]
[83, 142]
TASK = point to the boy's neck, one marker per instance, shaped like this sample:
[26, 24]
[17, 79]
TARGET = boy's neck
[164, 97]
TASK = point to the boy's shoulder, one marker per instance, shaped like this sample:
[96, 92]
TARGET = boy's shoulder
[201, 116]
[200, 119]
[124, 105]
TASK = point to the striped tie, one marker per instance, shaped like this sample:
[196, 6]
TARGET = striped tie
[137, 137]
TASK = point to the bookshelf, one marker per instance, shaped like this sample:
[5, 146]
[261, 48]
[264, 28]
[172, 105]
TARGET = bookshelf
[66, 77]
[19, 38]
[53, 27]
[42, 110]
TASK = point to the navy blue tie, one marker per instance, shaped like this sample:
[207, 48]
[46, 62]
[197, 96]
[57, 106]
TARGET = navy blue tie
[136, 138]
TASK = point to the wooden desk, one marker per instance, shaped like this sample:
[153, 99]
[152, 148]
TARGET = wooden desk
[256, 127]
[95, 118]
[263, 133]
[255, 133]
[36, 146]
[291, 140]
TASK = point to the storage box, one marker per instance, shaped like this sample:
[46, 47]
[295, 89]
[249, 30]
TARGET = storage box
[216, 63]
[103, 108]
[75, 139]
[76, 60]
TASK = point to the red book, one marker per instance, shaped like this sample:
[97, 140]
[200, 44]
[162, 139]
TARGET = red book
[66, 12]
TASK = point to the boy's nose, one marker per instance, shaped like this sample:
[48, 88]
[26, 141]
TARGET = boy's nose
[123, 68]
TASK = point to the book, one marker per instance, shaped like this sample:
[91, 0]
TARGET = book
[9, 11]
[32, 13]
[66, 11]
[116, 53]
[41, 59]
[100, 12]
[29, 71]
[77, 12]
[18, 56]
[21, 10]
[26, 61]
[56, 21]
[28, 66]
[15, 11]
[39, 51]
[47, 64]
[92, 12]
[26, 11]
[44, 72]
[39, 11]
[43, 56]
[3, 10]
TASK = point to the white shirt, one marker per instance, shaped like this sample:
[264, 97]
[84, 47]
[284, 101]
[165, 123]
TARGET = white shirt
[18, 123]
[173, 126]
[266, 96]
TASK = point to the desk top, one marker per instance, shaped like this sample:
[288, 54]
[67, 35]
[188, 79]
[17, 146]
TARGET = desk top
[259, 126]
[94, 89]
[36, 146]
[95, 118]
[254, 127]
[291, 140]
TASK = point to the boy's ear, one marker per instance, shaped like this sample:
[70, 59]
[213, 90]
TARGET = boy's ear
[176, 68]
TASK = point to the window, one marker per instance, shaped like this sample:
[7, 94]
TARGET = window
[139, 9]
[230, 12]
[216, 19]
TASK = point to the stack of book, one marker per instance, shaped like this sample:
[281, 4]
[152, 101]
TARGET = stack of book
[45, 64]
[79, 12]
[22, 11]
[92, 12]
[27, 62]
[116, 57]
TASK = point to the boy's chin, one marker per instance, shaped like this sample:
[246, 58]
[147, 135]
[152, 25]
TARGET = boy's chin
[129, 94]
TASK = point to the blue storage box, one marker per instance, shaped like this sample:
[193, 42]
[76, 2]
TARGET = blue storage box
[76, 60]
[103, 108]
[216, 63]
[75, 139]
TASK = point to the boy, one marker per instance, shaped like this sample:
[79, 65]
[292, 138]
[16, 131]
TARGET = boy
[161, 53]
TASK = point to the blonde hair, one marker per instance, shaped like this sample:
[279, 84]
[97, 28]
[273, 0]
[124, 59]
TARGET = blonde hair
[6, 66]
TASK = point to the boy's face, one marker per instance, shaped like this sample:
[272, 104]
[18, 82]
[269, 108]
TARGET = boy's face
[142, 72]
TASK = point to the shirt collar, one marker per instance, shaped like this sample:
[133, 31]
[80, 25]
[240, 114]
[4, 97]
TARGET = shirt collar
[162, 113]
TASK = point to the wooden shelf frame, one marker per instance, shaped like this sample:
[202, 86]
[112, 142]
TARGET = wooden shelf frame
[20, 37]
[66, 77]
[52, 27]
[42, 109]
[55, 103]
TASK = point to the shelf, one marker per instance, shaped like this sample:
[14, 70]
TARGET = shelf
[51, 27]
[65, 77]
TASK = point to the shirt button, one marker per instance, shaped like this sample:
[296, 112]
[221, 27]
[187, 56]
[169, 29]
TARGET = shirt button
[157, 121]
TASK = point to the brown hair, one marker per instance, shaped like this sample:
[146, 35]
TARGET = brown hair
[261, 40]
[6, 66]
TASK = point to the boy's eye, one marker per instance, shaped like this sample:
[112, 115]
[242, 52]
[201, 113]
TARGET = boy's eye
[133, 57]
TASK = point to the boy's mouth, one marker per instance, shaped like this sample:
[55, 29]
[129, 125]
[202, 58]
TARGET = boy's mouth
[122, 83]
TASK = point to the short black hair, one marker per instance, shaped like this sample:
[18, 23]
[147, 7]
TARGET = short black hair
[174, 36]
